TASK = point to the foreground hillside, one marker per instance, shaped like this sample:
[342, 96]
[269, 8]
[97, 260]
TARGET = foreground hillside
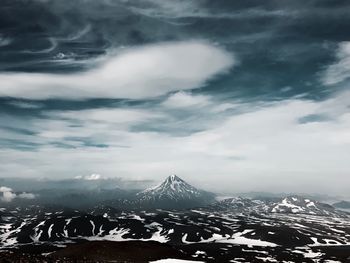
[217, 233]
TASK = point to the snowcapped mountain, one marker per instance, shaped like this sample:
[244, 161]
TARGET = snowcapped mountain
[287, 205]
[174, 193]
[240, 204]
[300, 205]
[173, 188]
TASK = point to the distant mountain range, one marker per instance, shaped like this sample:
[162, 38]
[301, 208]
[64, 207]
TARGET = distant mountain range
[174, 193]
[287, 205]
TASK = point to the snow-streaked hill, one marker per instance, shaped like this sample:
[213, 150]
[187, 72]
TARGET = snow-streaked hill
[287, 205]
[219, 235]
[300, 205]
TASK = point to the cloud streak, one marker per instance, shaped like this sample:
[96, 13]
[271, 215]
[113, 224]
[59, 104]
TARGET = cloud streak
[340, 69]
[185, 100]
[5, 41]
[138, 73]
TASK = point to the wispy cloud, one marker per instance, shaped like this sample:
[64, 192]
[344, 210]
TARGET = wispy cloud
[340, 69]
[184, 100]
[168, 9]
[5, 41]
[26, 104]
[137, 73]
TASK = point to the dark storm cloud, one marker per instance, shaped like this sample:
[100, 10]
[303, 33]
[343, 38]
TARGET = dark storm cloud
[44, 34]
[54, 36]
[278, 43]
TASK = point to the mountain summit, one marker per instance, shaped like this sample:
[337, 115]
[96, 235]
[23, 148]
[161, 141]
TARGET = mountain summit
[174, 192]
[173, 188]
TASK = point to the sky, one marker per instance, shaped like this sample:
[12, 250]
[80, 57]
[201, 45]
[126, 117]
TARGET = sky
[229, 95]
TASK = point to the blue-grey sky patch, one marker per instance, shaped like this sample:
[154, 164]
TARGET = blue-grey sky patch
[314, 118]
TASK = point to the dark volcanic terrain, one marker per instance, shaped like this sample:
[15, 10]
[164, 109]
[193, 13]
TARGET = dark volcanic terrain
[291, 229]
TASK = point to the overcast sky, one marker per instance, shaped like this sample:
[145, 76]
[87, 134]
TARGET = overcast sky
[229, 95]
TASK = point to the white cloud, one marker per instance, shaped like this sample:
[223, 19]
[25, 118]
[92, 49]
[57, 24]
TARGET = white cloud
[340, 70]
[263, 148]
[5, 189]
[188, 101]
[110, 115]
[224, 107]
[93, 123]
[8, 195]
[136, 73]
[184, 100]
